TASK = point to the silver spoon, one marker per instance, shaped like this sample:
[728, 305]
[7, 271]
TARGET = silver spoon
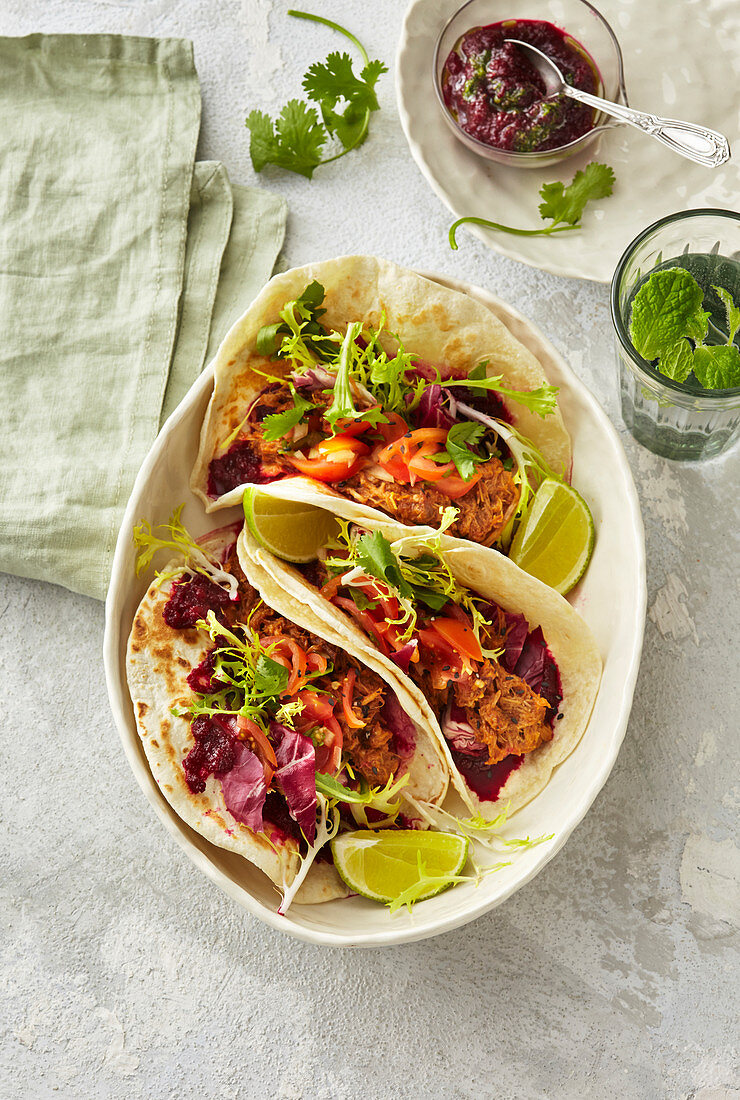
[698, 143]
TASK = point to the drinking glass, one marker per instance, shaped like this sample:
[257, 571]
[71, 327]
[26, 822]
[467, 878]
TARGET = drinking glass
[674, 419]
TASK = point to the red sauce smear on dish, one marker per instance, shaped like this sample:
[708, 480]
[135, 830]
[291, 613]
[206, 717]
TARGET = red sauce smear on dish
[497, 96]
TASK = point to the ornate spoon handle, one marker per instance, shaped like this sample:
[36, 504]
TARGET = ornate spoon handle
[698, 143]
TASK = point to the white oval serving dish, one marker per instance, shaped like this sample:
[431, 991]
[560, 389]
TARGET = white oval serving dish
[611, 598]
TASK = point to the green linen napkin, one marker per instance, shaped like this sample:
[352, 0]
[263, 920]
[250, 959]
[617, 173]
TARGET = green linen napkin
[122, 265]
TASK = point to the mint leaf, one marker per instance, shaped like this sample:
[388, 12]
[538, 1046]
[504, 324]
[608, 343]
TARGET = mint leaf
[732, 311]
[277, 425]
[293, 142]
[666, 308]
[459, 437]
[677, 362]
[566, 204]
[718, 368]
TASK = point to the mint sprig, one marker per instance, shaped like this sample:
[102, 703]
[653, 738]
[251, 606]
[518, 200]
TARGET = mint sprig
[668, 327]
[562, 206]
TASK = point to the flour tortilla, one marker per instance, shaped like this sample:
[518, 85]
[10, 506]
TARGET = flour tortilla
[158, 662]
[442, 326]
[496, 578]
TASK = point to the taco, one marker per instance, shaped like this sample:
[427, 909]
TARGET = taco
[504, 670]
[360, 381]
[264, 736]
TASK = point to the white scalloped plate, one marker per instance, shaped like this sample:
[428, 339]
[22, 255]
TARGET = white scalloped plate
[611, 598]
[681, 59]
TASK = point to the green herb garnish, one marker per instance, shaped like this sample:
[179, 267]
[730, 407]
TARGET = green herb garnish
[562, 206]
[296, 139]
[668, 327]
[278, 425]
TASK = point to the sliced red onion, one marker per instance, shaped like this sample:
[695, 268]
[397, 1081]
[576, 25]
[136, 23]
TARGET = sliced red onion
[460, 734]
[317, 378]
[402, 657]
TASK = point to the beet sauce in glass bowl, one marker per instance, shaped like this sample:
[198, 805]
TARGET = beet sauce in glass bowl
[496, 95]
[494, 100]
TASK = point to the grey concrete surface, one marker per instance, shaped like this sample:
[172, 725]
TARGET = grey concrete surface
[125, 974]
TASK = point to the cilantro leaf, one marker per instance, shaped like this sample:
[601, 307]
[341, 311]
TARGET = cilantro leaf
[459, 439]
[732, 311]
[718, 367]
[270, 677]
[296, 140]
[293, 142]
[333, 80]
[277, 425]
[563, 205]
[665, 309]
[566, 204]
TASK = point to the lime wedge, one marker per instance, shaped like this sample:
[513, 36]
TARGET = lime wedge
[555, 539]
[383, 865]
[289, 529]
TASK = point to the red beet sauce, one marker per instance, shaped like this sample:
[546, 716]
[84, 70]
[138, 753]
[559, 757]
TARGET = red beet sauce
[497, 96]
[486, 780]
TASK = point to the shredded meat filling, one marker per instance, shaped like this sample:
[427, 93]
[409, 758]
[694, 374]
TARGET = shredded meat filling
[483, 512]
[507, 715]
[369, 748]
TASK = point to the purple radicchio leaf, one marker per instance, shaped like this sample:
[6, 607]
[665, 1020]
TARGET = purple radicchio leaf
[296, 774]
[431, 411]
[517, 629]
[460, 734]
[400, 725]
[313, 380]
[244, 788]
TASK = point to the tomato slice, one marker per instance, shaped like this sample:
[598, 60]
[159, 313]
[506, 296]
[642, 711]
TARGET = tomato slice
[350, 717]
[333, 459]
[262, 748]
[455, 487]
[421, 467]
[394, 429]
[460, 636]
[364, 620]
[317, 707]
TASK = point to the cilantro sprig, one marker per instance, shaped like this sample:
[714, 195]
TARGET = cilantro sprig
[295, 140]
[668, 326]
[562, 206]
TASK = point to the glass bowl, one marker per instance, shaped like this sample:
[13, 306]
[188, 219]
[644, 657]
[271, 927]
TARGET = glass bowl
[582, 22]
[674, 419]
